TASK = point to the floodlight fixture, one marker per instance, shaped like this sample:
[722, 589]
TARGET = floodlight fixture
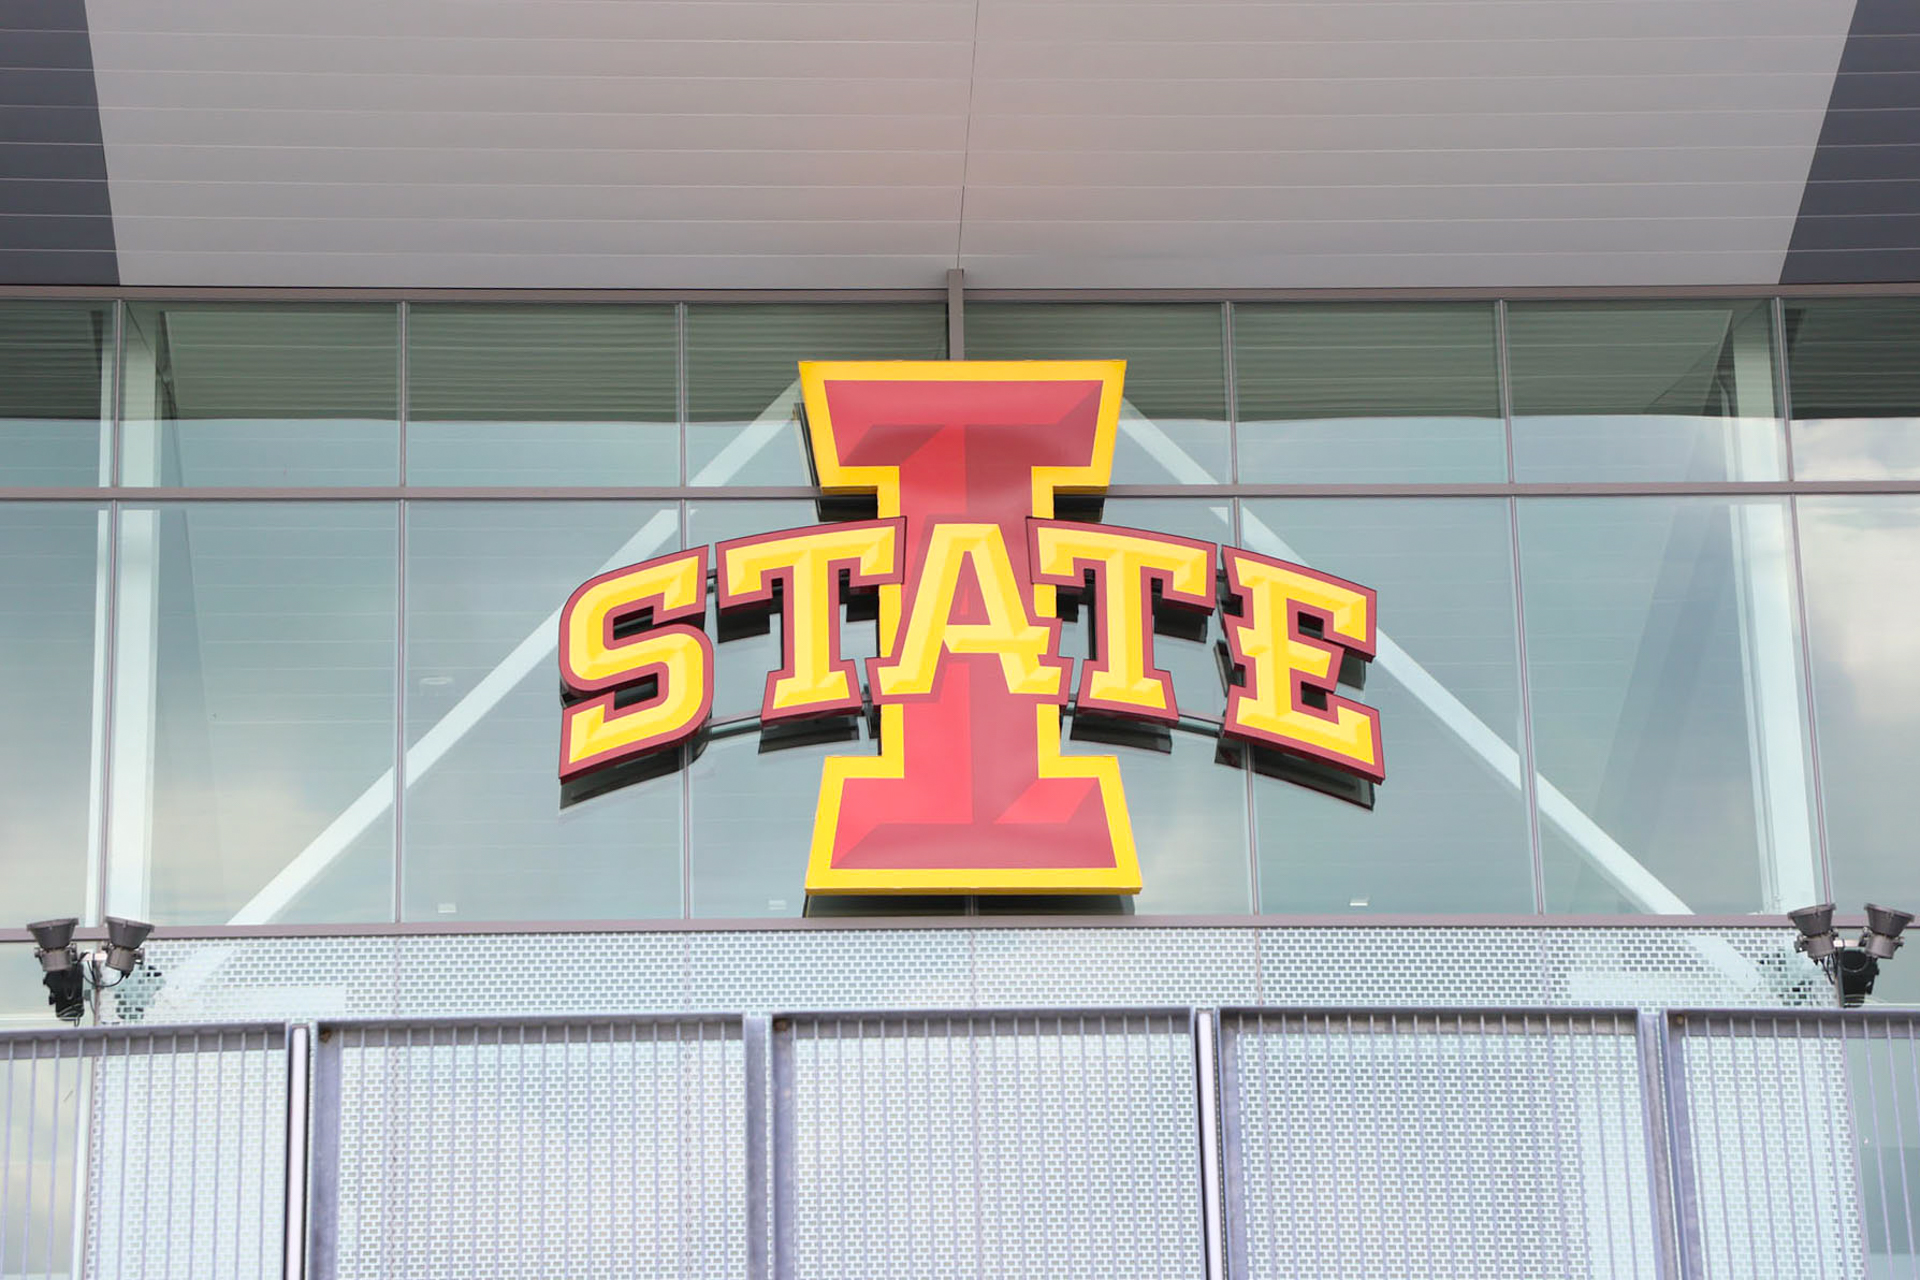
[53, 941]
[1852, 967]
[1884, 926]
[69, 976]
[123, 943]
[1816, 931]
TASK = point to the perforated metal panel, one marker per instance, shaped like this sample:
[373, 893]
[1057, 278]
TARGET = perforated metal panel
[538, 1149]
[487, 975]
[1453, 1145]
[989, 1145]
[1783, 1122]
[172, 1141]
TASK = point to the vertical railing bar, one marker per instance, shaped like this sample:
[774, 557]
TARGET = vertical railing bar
[582, 1099]
[1777, 1045]
[1552, 1049]
[1372, 1040]
[753, 1041]
[659, 1129]
[1622, 1096]
[1649, 1040]
[221, 1095]
[1835, 1117]
[700, 1138]
[1226, 1032]
[299, 1058]
[193, 1136]
[472, 1232]
[1899, 1145]
[1873, 1103]
[323, 1155]
[971, 1116]
[1806, 1109]
[1600, 1132]
[53, 1166]
[126, 1091]
[6, 1154]
[33, 1127]
[545, 1157]
[501, 1119]
[1913, 1072]
[402, 1128]
[781, 1046]
[1201, 1032]
[1729, 1047]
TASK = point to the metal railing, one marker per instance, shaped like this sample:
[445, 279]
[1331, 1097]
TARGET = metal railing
[1151, 1142]
[131, 1152]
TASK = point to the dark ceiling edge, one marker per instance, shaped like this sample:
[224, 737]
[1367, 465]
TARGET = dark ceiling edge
[1859, 218]
[56, 212]
[263, 293]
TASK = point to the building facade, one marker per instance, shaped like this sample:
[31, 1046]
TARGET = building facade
[339, 349]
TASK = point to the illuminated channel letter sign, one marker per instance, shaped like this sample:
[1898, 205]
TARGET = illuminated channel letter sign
[969, 791]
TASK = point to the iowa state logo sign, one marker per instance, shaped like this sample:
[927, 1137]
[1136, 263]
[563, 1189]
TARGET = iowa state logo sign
[969, 791]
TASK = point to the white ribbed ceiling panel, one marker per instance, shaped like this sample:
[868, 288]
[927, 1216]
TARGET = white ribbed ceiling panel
[805, 143]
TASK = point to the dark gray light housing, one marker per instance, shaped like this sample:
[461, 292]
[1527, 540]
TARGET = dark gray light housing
[1816, 930]
[55, 940]
[123, 943]
[1884, 926]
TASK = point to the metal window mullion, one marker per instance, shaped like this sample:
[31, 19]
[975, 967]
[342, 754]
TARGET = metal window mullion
[1529, 765]
[1796, 570]
[1783, 377]
[402, 514]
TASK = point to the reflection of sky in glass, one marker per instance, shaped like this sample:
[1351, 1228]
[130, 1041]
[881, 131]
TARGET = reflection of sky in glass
[273, 710]
[47, 605]
[1856, 448]
[1863, 611]
[1448, 831]
[486, 838]
[1663, 654]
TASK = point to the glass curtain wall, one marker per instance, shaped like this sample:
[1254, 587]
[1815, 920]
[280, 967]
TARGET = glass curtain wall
[1606, 677]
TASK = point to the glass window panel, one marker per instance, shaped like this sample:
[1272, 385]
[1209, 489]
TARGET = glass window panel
[254, 713]
[56, 392]
[486, 837]
[1668, 706]
[753, 799]
[1347, 394]
[1189, 809]
[1853, 366]
[583, 395]
[743, 420]
[1861, 561]
[1449, 831]
[49, 690]
[1173, 428]
[1643, 391]
[287, 394]
[751, 821]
